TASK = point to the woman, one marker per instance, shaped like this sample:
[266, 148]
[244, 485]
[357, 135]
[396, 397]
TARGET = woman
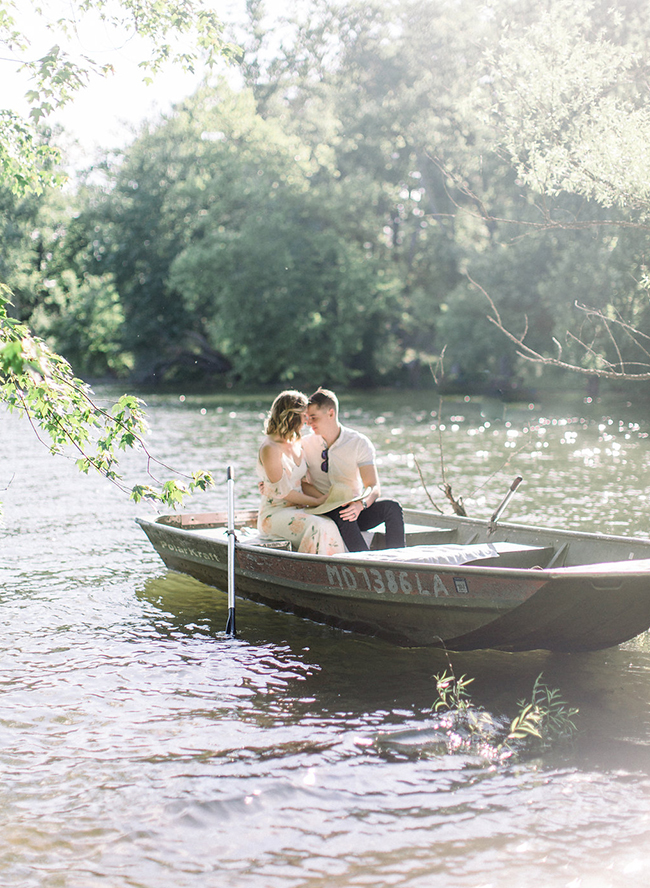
[285, 492]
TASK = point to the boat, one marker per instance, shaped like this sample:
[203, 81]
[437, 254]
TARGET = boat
[461, 583]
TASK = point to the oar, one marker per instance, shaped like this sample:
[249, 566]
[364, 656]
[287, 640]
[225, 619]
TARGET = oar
[504, 502]
[230, 625]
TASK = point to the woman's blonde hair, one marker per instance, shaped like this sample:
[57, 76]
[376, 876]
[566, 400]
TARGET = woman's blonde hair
[285, 416]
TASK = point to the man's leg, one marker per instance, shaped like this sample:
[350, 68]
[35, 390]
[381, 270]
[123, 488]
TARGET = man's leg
[388, 512]
[350, 531]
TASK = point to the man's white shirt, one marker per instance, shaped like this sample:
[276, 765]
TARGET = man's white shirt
[350, 451]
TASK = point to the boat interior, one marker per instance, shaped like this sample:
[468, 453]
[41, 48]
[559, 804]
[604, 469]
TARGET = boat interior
[509, 545]
[505, 554]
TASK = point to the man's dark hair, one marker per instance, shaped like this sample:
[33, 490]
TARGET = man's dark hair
[324, 398]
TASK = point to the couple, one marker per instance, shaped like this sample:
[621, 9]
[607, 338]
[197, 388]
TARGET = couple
[319, 492]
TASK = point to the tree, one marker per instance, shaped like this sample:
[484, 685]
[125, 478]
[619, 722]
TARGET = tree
[140, 223]
[181, 32]
[33, 379]
[377, 83]
[44, 259]
[279, 260]
[567, 107]
[222, 226]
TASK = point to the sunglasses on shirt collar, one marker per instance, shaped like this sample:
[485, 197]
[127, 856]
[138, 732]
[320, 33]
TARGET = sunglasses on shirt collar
[325, 456]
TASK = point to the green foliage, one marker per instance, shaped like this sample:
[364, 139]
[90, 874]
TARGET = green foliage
[222, 225]
[452, 692]
[173, 492]
[569, 106]
[542, 722]
[289, 293]
[545, 718]
[40, 385]
[182, 32]
[27, 163]
[84, 319]
[44, 261]
[35, 380]
[321, 222]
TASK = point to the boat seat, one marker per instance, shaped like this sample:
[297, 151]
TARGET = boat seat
[416, 535]
[267, 544]
[559, 557]
[451, 553]
[503, 554]
[518, 555]
[247, 536]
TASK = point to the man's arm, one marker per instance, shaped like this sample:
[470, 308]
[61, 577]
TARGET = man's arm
[370, 480]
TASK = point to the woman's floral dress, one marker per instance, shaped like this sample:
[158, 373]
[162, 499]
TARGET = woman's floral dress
[277, 519]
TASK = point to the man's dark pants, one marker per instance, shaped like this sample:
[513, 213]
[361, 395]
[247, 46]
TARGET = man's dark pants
[382, 511]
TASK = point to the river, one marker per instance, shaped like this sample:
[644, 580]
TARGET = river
[141, 747]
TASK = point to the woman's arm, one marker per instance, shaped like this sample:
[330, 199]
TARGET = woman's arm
[306, 497]
[271, 459]
[310, 489]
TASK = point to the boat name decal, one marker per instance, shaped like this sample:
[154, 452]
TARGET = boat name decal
[190, 553]
[396, 582]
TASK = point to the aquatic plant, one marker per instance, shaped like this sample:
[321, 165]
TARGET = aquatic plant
[544, 720]
[541, 722]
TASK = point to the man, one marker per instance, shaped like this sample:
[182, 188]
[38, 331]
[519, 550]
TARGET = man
[341, 463]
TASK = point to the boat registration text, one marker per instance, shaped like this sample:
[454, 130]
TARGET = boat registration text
[395, 582]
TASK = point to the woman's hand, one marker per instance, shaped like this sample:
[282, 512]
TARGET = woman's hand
[301, 499]
[314, 494]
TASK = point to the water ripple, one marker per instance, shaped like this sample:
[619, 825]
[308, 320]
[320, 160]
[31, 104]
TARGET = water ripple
[140, 746]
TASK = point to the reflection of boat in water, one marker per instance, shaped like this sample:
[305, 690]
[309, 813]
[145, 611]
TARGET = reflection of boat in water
[460, 583]
[180, 604]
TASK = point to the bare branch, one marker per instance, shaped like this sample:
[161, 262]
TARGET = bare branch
[594, 312]
[546, 223]
[631, 370]
[503, 465]
[456, 504]
[426, 489]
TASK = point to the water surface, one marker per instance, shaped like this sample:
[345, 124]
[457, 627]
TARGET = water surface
[141, 747]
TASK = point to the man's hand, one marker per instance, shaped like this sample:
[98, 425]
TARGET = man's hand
[351, 511]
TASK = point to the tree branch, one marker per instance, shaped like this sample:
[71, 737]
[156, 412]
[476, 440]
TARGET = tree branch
[635, 369]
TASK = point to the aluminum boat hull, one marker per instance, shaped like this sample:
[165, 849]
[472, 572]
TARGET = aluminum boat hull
[549, 589]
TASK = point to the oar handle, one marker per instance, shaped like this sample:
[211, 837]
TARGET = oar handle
[230, 624]
[504, 502]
